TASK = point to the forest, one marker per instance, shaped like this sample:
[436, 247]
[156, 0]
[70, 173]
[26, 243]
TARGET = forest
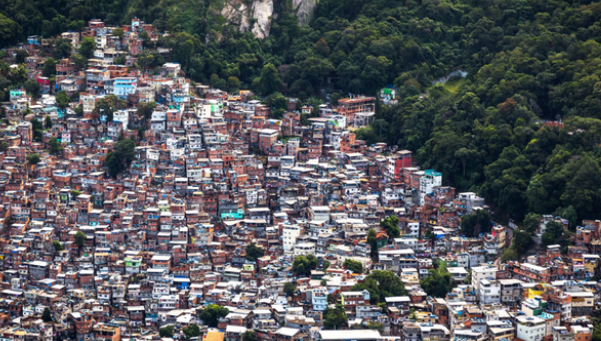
[522, 129]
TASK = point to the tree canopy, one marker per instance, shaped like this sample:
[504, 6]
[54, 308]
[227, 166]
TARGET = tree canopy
[254, 252]
[353, 265]
[303, 265]
[334, 318]
[439, 282]
[391, 226]
[381, 284]
[211, 314]
[121, 156]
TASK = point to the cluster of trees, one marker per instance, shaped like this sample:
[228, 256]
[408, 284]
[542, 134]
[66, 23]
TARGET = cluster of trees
[391, 226]
[303, 265]
[439, 283]
[254, 252]
[478, 222]
[353, 265]
[211, 314]
[121, 156]
[334, 318]
[289, 288]
[521, 242]
[554, 234]
[381, 284]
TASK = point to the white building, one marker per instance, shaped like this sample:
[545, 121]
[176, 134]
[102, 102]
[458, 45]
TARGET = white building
[289, 235]
[319, 298]
[123, 117]
[413, 229]
[427, 182]
[319, 213]
[531, 328]
[483, 272]
[489, 291]
[303, 249]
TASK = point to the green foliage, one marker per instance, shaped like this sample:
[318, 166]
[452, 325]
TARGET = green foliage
[33, 159]
[531, 222]
[521, 241]
[146, 109]
[248, 335]
[4, 146]
[47, 315]
[79, 61]
[597, 332]
[303, 265]
[253, 252]
[20, 56]
[32, 87]
[277, 103]
[233, 84]
[379, 326]
[62, 100]
[75, 193]
[391, 226]
[476, 222]
[149, 60]
[334, 318]
[555, 228]
[108, 105]
[166, 331]
[37, 127]
[120, 60]
[48, 122]
[353, 265]
[118, 32]
[547, 239]
[191, 331]
[49, 69]
[371, 240]
[381, 284]
[269, 81]
[57, 245]
[121, 157]
[10, 31]
[468, 279]
[62, 49]
[87, 47]
[211, 314]
[438, 283]
[335, 97]
[289, 288]
[571, 215]
[554, 232]
[54, 147]
[509, 254]
[80, 239]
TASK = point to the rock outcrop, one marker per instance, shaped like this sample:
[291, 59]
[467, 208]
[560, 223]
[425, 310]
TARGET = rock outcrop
[304, 10]
[256, 15]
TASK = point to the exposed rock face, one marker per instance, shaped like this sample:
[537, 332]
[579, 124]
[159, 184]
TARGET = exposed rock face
[262, 10]
[256, 16]
[304, 10]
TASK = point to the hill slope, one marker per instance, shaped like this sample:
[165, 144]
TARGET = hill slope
[528, 61]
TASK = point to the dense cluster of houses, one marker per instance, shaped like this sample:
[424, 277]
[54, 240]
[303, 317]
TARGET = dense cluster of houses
[214, 173]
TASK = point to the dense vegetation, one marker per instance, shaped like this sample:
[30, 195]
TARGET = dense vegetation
[381, 284]
[528, 61]
[439, 283]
